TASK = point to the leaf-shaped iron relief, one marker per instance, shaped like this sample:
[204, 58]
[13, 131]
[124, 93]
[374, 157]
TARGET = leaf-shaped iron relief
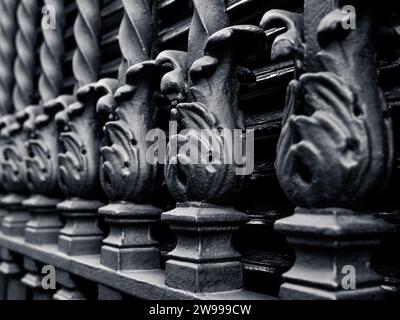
[213, 106]
[15, 151]
[335, 150]
[126, 174]
[202, 170]
[42, 163]
[80, 129]
[127, 177]
[78, 124]
[80, 138]
[14, 173]
[335, 146]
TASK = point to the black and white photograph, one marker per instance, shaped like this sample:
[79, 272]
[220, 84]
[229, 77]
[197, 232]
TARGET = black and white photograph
[199, 158]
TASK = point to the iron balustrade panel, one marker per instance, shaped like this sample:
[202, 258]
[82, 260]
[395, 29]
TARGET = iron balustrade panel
[111, 78]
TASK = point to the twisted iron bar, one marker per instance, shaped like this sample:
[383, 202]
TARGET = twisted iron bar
[86, 61]
[136, 33]
[8, 30]
[208, 18]
[52, 54]
[24, 67]
[78, 170]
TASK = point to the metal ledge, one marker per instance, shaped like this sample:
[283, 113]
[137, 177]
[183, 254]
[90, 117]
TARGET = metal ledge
[148, 285]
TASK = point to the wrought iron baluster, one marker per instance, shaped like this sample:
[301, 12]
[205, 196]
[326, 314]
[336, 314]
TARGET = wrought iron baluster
[11, 271]
[335, 150]
[127, 177]
[8, 29]
[80, 135]
[69, 287]
[203, 89]
[78, 158]
[32, 281]
[43, 143]
[13, 139]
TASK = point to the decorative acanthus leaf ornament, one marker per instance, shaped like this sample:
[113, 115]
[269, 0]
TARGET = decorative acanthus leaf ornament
[126, 172]
[335, 146]
[15, 152]
[202, 169]
[42, 162]
[79, 125]
[81, 130]
[80, 139]
[126, 175]
[212, 106]
[13, 168]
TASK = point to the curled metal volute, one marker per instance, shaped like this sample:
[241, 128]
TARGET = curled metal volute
[241, 41]
[331, 28]
[173, 66]
[63, 117]
[124, 93]
[94, 91]
[62, 120]
[5, 122]
[147, 70]
[52, 107]
[106, 105]
[14, 127]
[289, 43]
[59, 108]
[28, 118]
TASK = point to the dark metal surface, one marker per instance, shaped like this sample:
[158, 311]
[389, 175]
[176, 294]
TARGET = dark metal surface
[77, 190]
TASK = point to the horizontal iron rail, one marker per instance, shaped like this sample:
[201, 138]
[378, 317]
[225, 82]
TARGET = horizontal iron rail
[141, 284]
